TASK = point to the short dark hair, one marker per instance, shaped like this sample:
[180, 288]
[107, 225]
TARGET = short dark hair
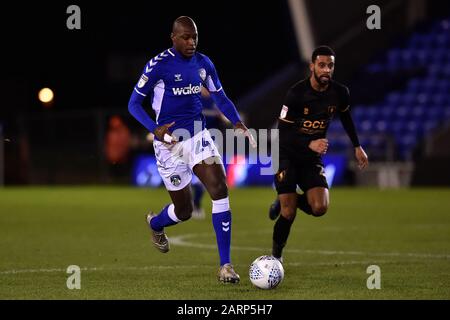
[322, 51]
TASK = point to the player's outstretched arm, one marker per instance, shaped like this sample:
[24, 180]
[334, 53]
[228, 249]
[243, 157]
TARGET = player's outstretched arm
[227, 107]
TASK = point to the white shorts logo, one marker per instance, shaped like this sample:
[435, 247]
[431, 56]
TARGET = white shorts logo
[142, 81]
[176, 180]
[284, 112]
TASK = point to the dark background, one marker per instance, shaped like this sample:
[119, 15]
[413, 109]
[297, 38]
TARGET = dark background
[92, 71]
[99, 64]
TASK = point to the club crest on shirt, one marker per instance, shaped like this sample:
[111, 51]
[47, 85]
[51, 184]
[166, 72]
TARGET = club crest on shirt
[331, 109]
[178, 77]
[142, 81]
[202, 74]
[305, 110]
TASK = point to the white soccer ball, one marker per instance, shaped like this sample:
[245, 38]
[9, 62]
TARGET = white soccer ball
[266, 272]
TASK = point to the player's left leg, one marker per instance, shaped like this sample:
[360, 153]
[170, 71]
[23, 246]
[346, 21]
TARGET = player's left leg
[212, 176]
[176, 175]
[178, 211]
[283, 225]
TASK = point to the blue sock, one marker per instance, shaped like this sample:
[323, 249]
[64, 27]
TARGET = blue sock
[222, 227]
[165, 218]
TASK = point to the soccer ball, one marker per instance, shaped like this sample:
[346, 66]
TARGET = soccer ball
[266, 272]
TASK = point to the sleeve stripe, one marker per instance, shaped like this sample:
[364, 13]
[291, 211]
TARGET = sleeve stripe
[144, 95]
[171, 53]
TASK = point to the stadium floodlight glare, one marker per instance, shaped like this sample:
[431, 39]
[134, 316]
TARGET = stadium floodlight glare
[46, 95]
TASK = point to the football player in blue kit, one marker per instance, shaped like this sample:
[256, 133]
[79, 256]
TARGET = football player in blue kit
[173, 81]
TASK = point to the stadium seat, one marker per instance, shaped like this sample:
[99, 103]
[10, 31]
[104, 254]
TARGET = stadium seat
[401, 112]
[424, 103]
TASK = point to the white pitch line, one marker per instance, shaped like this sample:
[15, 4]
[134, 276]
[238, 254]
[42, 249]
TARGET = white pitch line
[147, 268]
[182, 241]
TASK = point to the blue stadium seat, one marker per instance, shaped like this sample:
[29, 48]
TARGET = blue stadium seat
[438, 99]
[441, 40]
[393, 55]
[365, 126]
[381, 125]
[414, 84]
[434, 69]
[447, 113]
[394, 97]
[429, 125]
[375, 68]
[358, 112]
[401, 112]
[408, 140]
[446, 70]
[339, 144]
[406, 144]
[386, 112]
[424, 103]
[406, 98]
[423, 98]
[434, 113]
[414, 127]
[418, 112]
[397, 127]
[335, 127]
[438, 54]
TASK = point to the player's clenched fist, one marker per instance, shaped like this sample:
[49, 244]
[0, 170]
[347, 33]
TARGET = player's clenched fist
[320, 146]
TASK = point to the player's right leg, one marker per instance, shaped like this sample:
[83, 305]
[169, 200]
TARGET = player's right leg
[176, 176]
[179, 210]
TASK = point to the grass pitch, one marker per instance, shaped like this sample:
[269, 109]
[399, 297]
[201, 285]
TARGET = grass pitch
[102, 230]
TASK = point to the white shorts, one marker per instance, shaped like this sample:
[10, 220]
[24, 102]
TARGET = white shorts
[175, 162]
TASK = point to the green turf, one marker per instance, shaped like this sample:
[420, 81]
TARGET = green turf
[102, 230]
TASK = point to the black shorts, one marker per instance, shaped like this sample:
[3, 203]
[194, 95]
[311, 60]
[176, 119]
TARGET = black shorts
[307, 174]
